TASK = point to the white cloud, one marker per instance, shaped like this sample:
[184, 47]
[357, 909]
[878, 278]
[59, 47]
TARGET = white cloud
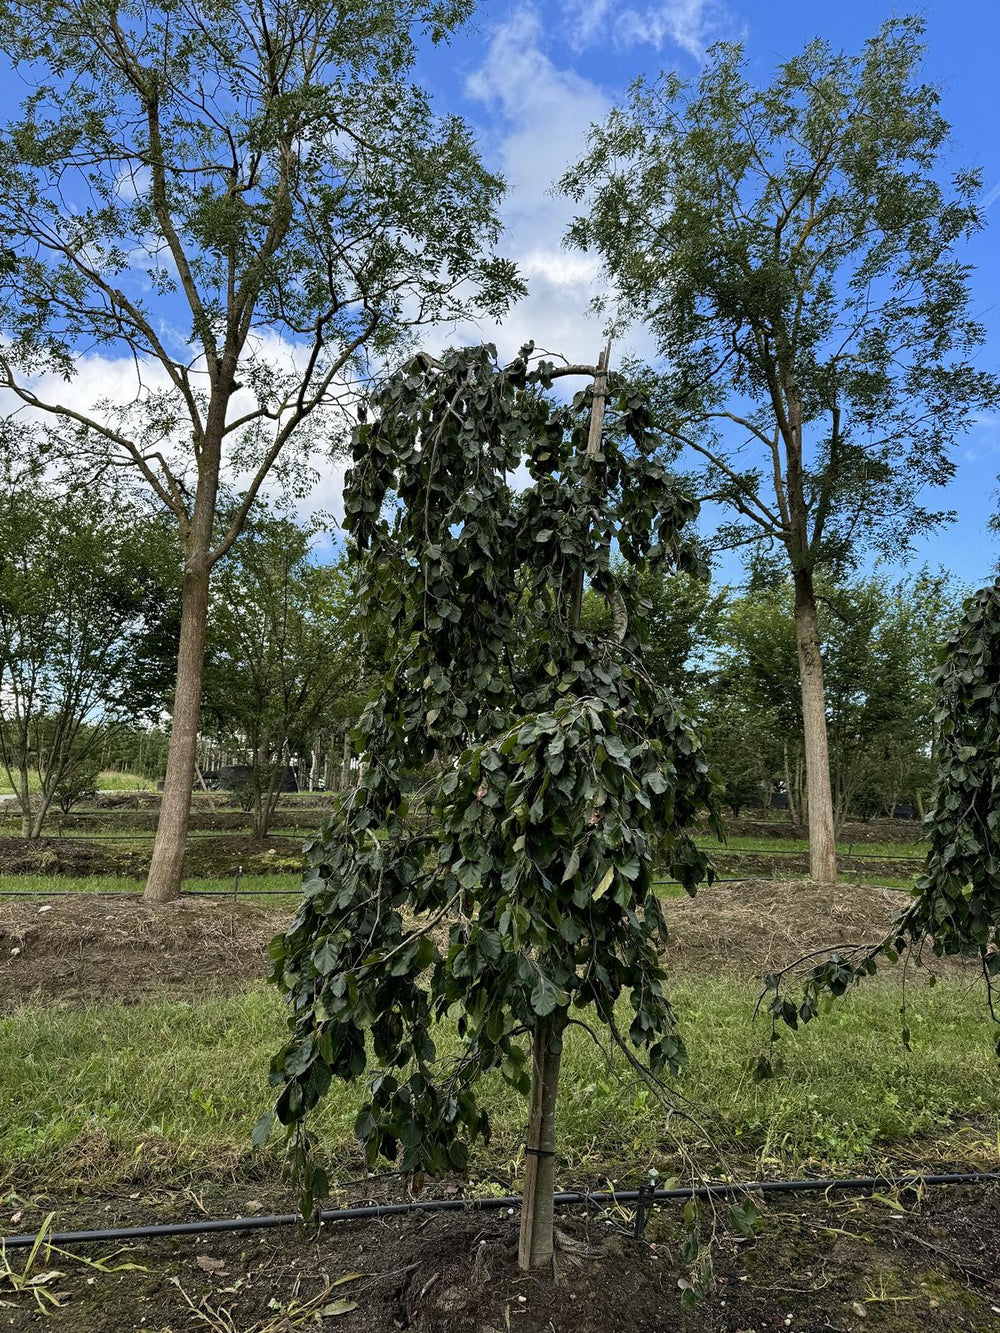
[691, 25]
[540, 115]
[123, 393]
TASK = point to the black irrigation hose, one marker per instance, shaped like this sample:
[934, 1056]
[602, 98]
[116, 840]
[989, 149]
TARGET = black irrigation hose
[646, 1196]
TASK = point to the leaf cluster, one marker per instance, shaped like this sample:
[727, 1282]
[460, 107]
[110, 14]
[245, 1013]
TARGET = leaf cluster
[957, 899]
[517, 884]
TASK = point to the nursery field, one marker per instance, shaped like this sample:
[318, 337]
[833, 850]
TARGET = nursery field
[133, 1054]
[112, 838]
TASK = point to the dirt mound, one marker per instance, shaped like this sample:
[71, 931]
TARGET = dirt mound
[78, 949]
[84, 949]
[204, 858]
[846, 1264]
[876, 830]
[64, 856]
[754, 927]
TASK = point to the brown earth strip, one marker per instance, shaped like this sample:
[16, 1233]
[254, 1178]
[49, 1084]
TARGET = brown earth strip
[205, 857]
[81, 949]
[844, 1264]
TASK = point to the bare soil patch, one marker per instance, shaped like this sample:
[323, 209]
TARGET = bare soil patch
[757, 926]
[82, 949]
[844, 1264]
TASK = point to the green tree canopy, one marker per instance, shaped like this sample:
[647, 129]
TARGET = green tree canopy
[240, 203]
[88, 604]
[795, 249]
[284, 653]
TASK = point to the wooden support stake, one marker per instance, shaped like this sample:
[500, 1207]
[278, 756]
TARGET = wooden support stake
[535, 1248]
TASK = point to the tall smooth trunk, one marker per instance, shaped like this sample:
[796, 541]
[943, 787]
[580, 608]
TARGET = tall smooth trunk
[793, 814]
[536, 1240]
[164, 880]
[822, 837]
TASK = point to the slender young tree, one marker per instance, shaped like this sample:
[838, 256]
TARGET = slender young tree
[793, 249]
[88, 598]
[569, 776]
[283, 652]
[239, 200]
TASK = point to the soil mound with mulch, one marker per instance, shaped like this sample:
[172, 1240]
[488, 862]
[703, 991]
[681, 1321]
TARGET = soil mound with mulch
[876, 830]
[85, 949]
[80, 949]
[762, 925]
[205, 857]
[844, 1264]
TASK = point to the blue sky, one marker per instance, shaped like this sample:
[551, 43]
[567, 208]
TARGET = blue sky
[530, 76]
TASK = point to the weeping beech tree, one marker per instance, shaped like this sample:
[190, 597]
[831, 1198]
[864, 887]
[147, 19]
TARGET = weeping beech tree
[794, 250]
[956, 901]
[514, 886]
[235, 202]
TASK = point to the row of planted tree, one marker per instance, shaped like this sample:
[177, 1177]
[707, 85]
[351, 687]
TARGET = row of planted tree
[89, 595]
[290, 225]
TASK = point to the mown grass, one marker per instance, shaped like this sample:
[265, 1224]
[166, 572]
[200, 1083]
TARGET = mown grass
[761, 846]
[107, 780]
[183, 1083]
[43, 885]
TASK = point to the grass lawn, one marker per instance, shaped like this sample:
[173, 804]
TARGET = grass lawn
[177, 1086]
[45, 885]
[108, 780]
[761, 846]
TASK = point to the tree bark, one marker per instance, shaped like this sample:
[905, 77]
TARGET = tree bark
[822, 837]
[789, 791]
[163, 882]
[536, 1241]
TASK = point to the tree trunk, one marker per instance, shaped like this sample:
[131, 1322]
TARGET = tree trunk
[345, 767]
[163, 883]
[23, 790]
[37, 820]
[822, 838]
[536, 1243]
[789, 792]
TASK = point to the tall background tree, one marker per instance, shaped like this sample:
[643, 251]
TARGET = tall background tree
[881, 641]
[794, 252]
[239, 201]
[88, 604]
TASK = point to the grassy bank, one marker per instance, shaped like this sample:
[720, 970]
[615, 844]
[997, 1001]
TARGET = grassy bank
[169, 1088]
[289, 883]
[107, 780]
